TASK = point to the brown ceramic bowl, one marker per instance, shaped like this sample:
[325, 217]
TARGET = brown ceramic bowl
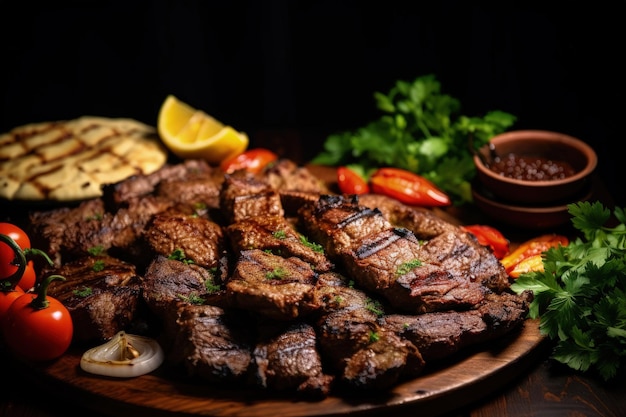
[538, 143]
[532, 217]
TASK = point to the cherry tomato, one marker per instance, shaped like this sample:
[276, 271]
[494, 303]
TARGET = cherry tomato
[490, 237]
[253, 161]
[29, 277]
[350, 182]
[38, 327]
[408, 188]
[7, 255]
[532, 247]
[7, 297]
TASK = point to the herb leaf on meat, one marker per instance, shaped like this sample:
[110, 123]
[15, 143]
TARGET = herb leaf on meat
[580, 297]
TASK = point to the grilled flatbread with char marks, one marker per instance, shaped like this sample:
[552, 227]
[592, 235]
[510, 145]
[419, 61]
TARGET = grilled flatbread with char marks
[71, 160]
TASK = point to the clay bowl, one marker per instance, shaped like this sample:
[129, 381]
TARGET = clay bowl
[557, 148]
[527, 217]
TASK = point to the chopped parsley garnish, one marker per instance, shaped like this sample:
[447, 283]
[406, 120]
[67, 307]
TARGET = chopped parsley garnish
[98, 265]
[580, 296]
[96, 250]
[276, 273]
[179, 255]
[279, 234]
[406, 267]
[83, 292]
[316, 247]
[375, 307]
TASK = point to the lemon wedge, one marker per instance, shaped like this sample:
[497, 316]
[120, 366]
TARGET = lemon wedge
[192, 133]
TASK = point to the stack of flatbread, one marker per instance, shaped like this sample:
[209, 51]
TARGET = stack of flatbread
[71, 160]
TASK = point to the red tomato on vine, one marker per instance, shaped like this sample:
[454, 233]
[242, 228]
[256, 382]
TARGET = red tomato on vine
[7, 254]
[38, 327]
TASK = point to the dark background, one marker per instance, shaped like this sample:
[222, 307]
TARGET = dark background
[313, 66]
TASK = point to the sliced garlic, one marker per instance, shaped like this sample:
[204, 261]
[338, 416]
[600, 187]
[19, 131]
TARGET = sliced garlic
[124, 356]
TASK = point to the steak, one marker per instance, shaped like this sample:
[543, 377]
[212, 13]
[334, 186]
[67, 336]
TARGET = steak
[103, 296]
[212, 343]
[273, 286]
[287, 359]
[441, 334]
[449, 271]
[277, 235]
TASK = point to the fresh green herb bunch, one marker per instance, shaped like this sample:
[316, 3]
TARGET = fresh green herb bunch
[580, 296]
[421, 131]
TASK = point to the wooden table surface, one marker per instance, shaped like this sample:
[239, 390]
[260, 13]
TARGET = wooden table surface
[545, 389]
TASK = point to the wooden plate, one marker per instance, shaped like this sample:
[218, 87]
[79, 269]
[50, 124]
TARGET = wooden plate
[446, 386]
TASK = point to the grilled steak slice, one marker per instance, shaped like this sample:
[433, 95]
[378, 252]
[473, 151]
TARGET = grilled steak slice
[102, 294]
[276, 287]
[336, 223]
[365, 354]
[115, 195]
[422, 222]
[287, 359]
[277, 235]
[286, 175]
[168, 282]
[199, 189]
[69, 233]
[212, 343]
[442, 334]
[449, 271]
[245, 196]
[195, 238]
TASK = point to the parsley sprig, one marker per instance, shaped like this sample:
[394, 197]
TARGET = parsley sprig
[580, 297]
[420, 130]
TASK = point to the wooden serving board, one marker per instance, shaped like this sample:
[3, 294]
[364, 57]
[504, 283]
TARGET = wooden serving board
[466, 378]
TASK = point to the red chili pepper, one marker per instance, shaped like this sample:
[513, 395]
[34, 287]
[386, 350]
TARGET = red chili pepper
[490, 237]
[350, 182]
[408, 187]
[253, 161]
[530, 248]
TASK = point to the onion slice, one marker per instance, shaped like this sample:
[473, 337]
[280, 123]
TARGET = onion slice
[123, 356]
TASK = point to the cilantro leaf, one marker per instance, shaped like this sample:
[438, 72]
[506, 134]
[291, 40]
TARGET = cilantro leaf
[580, 296]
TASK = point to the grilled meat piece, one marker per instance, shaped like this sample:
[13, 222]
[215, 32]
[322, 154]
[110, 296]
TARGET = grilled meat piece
[200, 240]
[115, 195]
[244, 196]
[277, 235]
[287, 359]
[422, 222]
[199, 189]
[102, 294]
[286, 175]
[365, 354]
[449, 271]
[273, 286]
[71, 232]
[442, 334]
[337, 222]
[212, 343]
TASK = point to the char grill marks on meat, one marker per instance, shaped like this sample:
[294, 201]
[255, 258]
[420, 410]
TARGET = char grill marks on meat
[277, 235]
[244, 196]
[449, 271]
[286, 358]
[196, 239]
[365, 354]
[212, 343]
[102, 294]
[441, 334]
[276, 287]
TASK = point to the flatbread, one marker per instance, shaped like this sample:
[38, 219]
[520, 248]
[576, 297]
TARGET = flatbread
[71, 160]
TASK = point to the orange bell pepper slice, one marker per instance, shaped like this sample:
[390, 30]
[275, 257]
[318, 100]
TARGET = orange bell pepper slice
[532, 248]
